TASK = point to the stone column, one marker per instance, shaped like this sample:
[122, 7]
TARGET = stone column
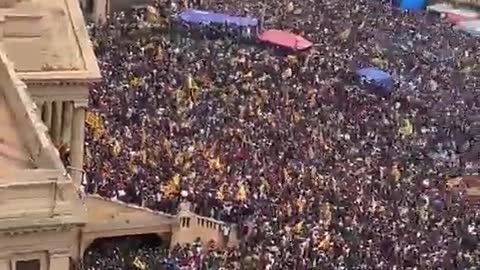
[67, 122]
[5, 264]
[59, 261]
[77, 143]
[56, 129]
[47, 114]
[100, 10]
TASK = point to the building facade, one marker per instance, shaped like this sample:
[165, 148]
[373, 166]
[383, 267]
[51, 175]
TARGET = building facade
[46, 222]
[98, 10]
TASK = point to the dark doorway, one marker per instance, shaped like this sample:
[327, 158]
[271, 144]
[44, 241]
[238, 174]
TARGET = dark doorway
[121, 251]
[28, 265]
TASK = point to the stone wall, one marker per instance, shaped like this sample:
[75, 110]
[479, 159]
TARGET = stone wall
[191, 226]
[119, 5]
[26, 114]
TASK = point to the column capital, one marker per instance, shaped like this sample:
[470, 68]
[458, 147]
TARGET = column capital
[59, 253]
[80, 104]
[5, 255]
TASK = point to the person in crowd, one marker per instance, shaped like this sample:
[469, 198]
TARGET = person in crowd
[317, 171]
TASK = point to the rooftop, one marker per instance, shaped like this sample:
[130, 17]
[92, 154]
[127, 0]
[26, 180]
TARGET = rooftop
[48, 40]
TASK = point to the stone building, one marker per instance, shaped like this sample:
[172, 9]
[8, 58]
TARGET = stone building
[46, 223]
[98, 10]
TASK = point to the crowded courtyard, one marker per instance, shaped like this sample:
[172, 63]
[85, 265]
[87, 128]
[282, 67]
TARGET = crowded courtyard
[317, 169]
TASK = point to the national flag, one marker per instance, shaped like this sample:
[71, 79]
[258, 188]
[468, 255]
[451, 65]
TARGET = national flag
[134, 82]
[298, 228]
[158, 54]
[264, 186]
[215, 164]
[151, 14]
[241, 195]
[395, 173]
[324, 244]
[219, 195]
[406, 128]
[286, 175]
[117, 148]
[344, 35]
[139, 264]
[143, 138]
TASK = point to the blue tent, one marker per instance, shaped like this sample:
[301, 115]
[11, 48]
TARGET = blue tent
[415, 5]
[381, 81]
[206, 17]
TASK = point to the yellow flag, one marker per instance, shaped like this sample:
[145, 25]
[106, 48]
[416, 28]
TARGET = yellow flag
[151, 14]
[345, 34]
[179, 159]
[220, 193]
[116, 148]
[91, 119]
[94, 122]
[406, 129]
[139, 264]
[296, 117]
[241, 195]
[265, 186]
[158, 54]
[143, 156]
[286, 175]
[298, 228]
[143, 137]
[325, 242]
[168, 189]
[379, 62]
[188, 92]
[326, 213]
[300, 204]
[214, 164]
[176, 180]
[190, 83]
[135, 82]
[395, 173]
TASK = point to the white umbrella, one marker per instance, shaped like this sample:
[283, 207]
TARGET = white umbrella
[472, 27]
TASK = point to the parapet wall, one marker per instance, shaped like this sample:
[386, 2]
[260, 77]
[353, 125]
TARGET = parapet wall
[191, 226]
[35, 133]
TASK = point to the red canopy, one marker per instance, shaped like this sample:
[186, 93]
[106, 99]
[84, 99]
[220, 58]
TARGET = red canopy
[285, 39]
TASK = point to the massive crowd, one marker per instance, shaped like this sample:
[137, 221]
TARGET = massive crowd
[320, 173]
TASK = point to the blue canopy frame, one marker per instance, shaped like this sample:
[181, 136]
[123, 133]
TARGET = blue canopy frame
[381, 80]
[207, 17]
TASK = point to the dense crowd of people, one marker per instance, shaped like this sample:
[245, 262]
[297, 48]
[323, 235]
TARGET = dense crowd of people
[318, 172]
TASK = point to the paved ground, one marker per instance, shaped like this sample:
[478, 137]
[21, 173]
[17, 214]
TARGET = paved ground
[13, 155]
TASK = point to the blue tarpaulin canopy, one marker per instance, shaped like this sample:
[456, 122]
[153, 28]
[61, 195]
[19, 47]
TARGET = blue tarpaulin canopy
[381, 80]
[207, 17]
[415, 5]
